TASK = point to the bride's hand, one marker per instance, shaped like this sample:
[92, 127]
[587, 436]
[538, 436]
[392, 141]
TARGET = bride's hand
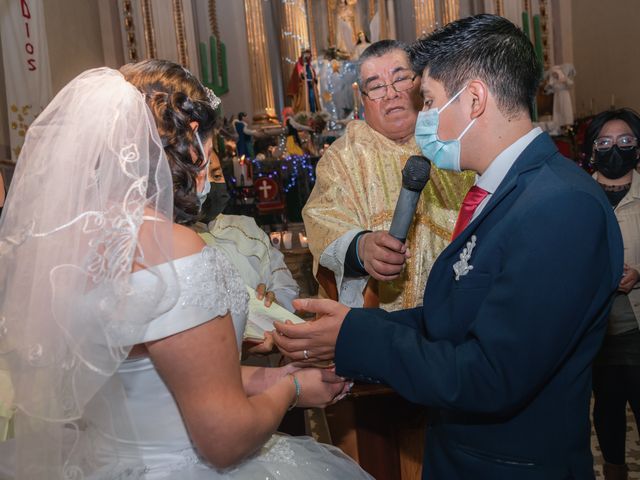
[266, 346]
[318, 387]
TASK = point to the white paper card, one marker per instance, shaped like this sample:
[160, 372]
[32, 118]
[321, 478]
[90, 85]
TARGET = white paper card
[261, 318]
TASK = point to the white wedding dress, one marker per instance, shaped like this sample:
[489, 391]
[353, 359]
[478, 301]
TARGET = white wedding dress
[209, 287]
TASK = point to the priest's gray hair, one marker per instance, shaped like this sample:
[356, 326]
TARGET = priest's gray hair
[378, 49]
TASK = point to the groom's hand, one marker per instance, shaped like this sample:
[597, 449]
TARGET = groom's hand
[314, 340]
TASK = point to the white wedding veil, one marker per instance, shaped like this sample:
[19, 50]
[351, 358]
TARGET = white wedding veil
[90, 198]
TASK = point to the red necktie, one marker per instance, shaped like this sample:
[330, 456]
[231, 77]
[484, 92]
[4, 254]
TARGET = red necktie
[474, 197]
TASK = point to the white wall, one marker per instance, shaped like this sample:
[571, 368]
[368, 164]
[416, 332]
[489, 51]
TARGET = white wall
[74, 36]
[605, 38]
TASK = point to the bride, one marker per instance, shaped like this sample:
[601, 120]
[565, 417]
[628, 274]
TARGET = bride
[120, 328]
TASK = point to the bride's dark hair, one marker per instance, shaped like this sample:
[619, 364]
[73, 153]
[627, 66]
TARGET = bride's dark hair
[176, 98]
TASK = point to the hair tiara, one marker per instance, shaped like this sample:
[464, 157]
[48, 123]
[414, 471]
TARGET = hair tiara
[214, 100]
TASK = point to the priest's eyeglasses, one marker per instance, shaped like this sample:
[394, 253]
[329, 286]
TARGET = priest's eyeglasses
[378, 92]
[625, 142]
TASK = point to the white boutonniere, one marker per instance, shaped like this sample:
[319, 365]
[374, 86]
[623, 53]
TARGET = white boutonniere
[462, 266]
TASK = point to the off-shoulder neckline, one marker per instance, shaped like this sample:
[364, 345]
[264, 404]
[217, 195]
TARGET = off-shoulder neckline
[175, 260]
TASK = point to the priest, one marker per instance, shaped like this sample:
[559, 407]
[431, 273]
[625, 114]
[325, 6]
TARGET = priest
[358, 183]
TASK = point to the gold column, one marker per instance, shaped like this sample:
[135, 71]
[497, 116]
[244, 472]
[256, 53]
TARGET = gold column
[130, 30]
[295, 34]
[450, 10]
[261, 83]
[213, 23]
[544, 25]
[384, 33]
[149, 33]
[425, 13]
[312, 29]
[181, 38]
[331, 20]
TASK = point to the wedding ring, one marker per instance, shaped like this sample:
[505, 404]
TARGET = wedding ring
[306, 354]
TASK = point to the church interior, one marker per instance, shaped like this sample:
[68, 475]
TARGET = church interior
[286, 72]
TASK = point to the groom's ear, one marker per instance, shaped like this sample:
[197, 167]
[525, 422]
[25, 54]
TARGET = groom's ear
[479, 94]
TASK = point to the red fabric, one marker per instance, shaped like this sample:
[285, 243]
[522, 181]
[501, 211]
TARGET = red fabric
[564, 147]
[294, 79]
[474, 197]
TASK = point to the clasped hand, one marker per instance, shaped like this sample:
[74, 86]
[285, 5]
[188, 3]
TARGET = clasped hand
[319, 387]
[382, 255]
[313, 341]
[629, 278]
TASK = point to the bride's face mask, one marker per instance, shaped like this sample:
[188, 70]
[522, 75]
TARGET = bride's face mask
[202, 195]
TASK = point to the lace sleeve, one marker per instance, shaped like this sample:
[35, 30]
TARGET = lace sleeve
[209, 287]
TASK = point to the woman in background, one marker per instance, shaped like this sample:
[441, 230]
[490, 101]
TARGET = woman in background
[611, 143]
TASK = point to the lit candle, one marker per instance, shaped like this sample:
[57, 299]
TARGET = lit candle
[356, 106]
[241, 171]
[303, 240]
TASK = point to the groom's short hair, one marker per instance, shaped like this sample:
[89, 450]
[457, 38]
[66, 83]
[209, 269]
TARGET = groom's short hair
[486, 47]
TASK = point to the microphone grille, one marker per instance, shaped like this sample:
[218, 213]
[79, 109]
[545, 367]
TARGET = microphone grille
[415, 173]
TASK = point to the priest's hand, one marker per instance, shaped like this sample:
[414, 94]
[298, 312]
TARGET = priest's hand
[382, 255]
[315, 340]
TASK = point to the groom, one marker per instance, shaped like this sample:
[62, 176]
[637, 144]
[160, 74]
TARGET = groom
[515, 308]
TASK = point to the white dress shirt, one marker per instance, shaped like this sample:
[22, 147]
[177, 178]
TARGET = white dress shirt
[493, 176]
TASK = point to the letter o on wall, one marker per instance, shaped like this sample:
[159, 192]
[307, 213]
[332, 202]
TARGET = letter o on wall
[29, 48]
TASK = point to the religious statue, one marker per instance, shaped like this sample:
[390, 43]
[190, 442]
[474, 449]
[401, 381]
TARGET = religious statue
[244, 145]
[296, 141]
[346, 26]
[559, 81]
[303, 85]
[361, 45]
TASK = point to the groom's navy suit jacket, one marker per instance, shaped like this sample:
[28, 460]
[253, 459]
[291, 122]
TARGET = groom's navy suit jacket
[502, 355]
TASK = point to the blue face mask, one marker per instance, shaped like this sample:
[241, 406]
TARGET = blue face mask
[202, 196]
[445, 154]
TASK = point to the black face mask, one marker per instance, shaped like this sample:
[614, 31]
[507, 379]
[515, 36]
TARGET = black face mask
[615, 163]
[216, 201]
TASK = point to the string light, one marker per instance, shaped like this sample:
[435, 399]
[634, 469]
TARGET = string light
[291, 168]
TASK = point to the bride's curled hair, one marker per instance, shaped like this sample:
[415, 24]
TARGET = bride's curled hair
[176, 99]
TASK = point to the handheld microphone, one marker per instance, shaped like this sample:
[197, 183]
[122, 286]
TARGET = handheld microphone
[415, 176]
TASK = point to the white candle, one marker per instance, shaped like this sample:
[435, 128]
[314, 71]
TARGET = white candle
[286, 239]
[303, 240]
[241, 171]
